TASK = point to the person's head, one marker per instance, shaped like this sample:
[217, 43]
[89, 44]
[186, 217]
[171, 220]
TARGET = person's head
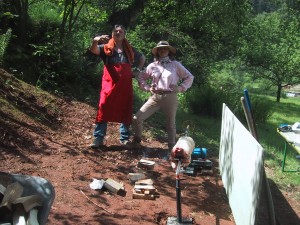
[163, 49]
[118, 32]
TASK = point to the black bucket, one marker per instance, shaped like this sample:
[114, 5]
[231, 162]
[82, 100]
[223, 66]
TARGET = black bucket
[33, 185]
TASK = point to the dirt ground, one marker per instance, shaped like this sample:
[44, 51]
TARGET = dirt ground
[53, 143]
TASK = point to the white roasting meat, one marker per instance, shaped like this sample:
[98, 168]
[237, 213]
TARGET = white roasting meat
[182, 150]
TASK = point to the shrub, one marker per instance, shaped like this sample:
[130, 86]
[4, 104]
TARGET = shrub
[261, 108]
[209, 100]
[4, 40]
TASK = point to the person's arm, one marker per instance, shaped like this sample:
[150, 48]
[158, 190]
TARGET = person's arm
[186, 77]
[103, 39]
[139, 59]
[141, 62]
[143, 77]
[138, 65]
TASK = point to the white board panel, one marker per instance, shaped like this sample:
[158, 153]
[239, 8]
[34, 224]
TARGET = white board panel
[241, 168]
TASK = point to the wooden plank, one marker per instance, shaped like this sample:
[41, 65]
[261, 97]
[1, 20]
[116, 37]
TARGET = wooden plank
[113, 185]
[144, 182]
[143, 196]
[144, 187]
[133, 177]
[147, 194]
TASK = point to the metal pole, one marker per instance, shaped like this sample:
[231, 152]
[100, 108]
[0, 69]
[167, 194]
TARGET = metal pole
[271, 210]
[178, 193]
[284, 157]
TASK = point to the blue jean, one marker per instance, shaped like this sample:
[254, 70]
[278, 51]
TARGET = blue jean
[101, 128]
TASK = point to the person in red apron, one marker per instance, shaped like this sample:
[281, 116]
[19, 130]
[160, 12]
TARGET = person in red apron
[116, 95]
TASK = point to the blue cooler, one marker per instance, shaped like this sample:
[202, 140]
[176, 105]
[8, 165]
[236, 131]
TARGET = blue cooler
[199, 153]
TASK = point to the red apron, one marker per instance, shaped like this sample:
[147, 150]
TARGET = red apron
[116, 96]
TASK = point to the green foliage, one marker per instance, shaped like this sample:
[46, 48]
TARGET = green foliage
[271, 45]
[46, 80]
[198, 29]
[262, 109]
[224, 85]
[45, 56]
[198, 37]
[143, 43]
[123, 4]
[207, 100]
[44, 11]
[4, 41]
[287, 111]
[61, 58]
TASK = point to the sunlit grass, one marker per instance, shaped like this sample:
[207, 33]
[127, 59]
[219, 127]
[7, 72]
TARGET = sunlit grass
[285, 112]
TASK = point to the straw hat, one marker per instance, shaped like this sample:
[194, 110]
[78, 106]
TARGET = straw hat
[163, 44]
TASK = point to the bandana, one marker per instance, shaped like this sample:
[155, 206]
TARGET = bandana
[110, 46]
[164, 60]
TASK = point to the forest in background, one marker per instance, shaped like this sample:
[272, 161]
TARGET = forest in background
[227, 45]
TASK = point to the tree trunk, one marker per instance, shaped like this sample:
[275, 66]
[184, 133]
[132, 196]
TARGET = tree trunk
[70, 16]
[19, 24]
[279, 88]
[24, 17]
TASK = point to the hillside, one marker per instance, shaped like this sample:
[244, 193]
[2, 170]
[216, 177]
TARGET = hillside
[48, 136]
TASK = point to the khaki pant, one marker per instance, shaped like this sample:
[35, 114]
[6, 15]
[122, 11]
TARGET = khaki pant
[168, 104]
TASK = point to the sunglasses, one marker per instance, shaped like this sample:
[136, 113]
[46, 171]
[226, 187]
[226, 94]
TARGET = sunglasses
[162, 48]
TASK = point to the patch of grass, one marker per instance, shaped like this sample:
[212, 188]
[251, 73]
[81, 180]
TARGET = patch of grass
[285, 112]
[204, 130]
[21, 98]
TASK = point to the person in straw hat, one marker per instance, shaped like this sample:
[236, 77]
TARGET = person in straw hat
[167, 78]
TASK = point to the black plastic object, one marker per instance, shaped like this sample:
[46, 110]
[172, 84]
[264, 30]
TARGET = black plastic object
[285, 128]
[33, 185]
